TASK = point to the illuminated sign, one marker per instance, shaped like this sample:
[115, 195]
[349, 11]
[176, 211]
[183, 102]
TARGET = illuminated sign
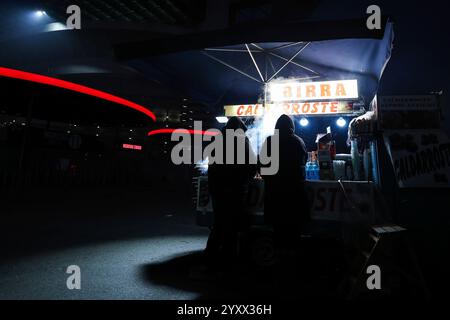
[296, 108]
[244, 110]
[313, 108]
[313, 91]
[131, 146]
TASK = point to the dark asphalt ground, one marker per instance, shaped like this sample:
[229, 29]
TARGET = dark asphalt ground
[134, 244]
[116, 237]
[129, 244]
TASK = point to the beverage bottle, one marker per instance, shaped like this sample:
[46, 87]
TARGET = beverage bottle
[308, 168]
[316, 170]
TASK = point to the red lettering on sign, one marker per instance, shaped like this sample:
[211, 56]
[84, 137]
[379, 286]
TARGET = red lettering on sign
[340, 90]
[299, 92]
[310, 91]
[305, 108]
[287, 92]
[325, 90]
[334, 107]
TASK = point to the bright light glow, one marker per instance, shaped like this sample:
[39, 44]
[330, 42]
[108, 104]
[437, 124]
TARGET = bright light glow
[304, 122]
[222, 119]
[33, 77]
[341, 122]
[203, 165]
[55, 26]
[40, 13]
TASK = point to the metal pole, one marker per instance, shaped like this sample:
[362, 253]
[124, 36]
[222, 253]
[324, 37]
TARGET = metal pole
[230, 66]
[264, 111]
[283, 58]
[265, 94]
[254, 62]
[290, 60]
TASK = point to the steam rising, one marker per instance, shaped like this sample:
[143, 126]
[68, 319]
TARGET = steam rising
[262, 128]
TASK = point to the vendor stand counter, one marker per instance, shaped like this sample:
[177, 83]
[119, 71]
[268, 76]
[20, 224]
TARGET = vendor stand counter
[335, 201]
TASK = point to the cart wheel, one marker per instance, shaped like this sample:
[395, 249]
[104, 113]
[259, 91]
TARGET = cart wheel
[263, 251]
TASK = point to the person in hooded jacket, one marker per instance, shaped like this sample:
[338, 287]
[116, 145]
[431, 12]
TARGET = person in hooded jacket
[286, 205]
[228, 186]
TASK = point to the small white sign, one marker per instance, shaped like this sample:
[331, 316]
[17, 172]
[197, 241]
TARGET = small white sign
[408, 103]
[421, 158]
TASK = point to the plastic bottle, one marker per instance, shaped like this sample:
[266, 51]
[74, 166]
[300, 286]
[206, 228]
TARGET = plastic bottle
[308, 168]
[316, 171]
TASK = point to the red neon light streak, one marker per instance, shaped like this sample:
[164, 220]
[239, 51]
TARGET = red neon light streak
[190, 131]
[33, 77]
[131, 146]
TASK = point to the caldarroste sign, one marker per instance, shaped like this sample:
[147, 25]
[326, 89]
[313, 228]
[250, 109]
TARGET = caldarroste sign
[302, 98]
[421, 158]
[290, 108]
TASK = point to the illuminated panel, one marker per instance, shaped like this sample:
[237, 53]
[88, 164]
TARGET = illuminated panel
[313, 108]
[131, 146]
[313, 91]
[244, 110]
[291, 108]
[33, 77]
[160, 131]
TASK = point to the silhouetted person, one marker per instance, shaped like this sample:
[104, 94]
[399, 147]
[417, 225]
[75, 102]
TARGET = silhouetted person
[286, 205]
[228, 186]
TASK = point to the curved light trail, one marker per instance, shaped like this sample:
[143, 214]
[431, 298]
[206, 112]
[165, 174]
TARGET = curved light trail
[190, 131]
[33, 77]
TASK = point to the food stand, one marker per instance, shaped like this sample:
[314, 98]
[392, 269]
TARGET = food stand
[332, 82]
[345, 188]
[311, 70]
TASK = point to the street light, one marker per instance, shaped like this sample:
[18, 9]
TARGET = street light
[40, 13]
[304, 122]
[222, 119]
[341, 122]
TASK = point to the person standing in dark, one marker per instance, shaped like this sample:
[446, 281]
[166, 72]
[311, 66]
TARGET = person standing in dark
[286, 205]
[228, 186]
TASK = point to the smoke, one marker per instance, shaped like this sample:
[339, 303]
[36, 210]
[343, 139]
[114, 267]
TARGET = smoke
[262, 127]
